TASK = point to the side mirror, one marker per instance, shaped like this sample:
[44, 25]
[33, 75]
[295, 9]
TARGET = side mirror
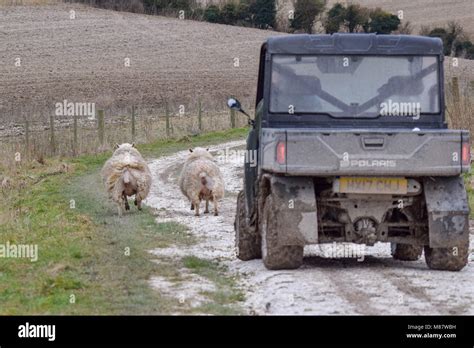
[234, 104]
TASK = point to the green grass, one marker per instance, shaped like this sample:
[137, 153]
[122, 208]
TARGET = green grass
[91, 256]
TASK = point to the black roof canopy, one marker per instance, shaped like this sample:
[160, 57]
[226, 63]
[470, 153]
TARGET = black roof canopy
[370, 44]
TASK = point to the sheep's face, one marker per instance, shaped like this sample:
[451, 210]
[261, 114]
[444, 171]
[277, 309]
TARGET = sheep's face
[124, 148]
[199, 152]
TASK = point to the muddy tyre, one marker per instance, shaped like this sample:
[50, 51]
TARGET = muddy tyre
[447, 259]
[277, 256]
[246, 239]
[407, 252]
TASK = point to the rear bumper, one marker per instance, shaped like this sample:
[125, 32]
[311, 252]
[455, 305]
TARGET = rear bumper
[385, 152]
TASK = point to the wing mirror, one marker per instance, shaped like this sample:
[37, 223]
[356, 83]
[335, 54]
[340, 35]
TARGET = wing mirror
[234, 104]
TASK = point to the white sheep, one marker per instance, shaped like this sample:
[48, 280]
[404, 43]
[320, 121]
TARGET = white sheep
[126, 174]
[201, 179]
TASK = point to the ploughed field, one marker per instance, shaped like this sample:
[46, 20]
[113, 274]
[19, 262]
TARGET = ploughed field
[85, 59]
[118, 60]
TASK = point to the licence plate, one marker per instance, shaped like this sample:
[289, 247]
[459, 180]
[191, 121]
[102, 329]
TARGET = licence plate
[373, 185]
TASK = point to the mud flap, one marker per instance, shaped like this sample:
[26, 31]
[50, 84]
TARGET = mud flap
[297, 215]
[448, 211]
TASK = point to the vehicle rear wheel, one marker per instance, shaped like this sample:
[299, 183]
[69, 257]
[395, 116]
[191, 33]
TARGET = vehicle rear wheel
[246, 239]
[406, 252]
[447, 259]
[276, 256]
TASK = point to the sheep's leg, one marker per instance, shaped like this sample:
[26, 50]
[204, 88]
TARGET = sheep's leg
[192, 206]
[196, 207]
[127, 206]
[139, 203]
[207, 207]
[216, 208]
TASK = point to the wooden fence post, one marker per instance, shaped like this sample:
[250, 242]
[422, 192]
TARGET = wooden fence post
[27, 138]
[75, 150]
[52, 136]
[101, 127]
[167, 120]
[232, 118]
[455, 89]
[133, 124]
[200, 116]
[456, 116]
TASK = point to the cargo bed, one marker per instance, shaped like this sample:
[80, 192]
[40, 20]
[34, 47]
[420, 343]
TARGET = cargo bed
[365, 152]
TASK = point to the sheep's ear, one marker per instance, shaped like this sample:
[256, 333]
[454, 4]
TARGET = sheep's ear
[116, 146]
[133, 145]
[191, 150]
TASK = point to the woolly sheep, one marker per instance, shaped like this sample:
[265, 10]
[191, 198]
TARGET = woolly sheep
[201, 179]
[126, 174]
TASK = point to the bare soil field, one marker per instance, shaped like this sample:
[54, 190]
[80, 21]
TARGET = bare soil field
[171, 60]
[84, 59]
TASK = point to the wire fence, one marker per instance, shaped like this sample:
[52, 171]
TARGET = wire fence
[36, 135]
[38, 132]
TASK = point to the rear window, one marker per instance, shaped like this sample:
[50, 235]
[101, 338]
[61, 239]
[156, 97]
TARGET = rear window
[355, 86]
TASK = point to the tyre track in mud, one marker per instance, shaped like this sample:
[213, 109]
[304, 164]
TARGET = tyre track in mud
[322, 286]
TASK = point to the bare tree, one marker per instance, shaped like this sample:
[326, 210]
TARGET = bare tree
[306, 13]
[425, 30]
[405, 28]
[455, 33]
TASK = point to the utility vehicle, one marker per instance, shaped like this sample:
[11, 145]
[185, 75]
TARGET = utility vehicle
[353, 146]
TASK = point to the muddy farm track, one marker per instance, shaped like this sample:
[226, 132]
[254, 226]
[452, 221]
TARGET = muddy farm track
[376, 285]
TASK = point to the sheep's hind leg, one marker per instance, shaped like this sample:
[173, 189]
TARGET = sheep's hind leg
[138, 203]
[192, 206]
[127, 206]
[216, 208]
[207, 207]
[196, 207]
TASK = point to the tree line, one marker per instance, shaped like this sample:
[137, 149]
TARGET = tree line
[304, 18]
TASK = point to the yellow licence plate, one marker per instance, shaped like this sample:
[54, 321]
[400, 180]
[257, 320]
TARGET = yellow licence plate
[373, 185]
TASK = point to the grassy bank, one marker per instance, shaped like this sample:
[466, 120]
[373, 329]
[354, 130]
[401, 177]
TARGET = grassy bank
[90, 261]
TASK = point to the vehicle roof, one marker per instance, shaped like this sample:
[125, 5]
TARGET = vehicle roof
[344, 43]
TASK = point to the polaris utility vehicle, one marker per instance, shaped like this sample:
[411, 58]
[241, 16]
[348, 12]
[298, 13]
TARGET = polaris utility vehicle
[353, 146]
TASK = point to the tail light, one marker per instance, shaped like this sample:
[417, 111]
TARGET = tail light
[466, 154]
[281, 153]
